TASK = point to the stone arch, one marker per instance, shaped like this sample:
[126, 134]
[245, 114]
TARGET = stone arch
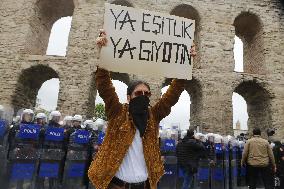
[188, 11]
[249, 28]
[46, 14]
[29, 82]
[122, 3]
[258, 101]
[194, 89]
[91, 104]
[59, 37]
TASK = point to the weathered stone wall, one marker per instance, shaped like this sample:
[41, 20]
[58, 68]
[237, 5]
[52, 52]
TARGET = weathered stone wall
[25, 26]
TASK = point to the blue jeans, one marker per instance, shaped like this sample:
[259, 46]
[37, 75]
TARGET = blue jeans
[187, 179]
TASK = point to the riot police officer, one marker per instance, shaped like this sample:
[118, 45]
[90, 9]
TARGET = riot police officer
[24, 152]
[77, 158]
[67, 123]
[92, 127]
[52, 154]
[41, 119]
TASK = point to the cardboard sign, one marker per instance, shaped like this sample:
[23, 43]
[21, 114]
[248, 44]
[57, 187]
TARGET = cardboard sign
[54, 134]
[29, 131]
[147, 43]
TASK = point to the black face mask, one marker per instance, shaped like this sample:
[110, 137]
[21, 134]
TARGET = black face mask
[138, 108]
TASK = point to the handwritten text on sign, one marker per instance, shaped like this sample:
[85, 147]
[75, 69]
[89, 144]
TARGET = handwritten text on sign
[148, 43]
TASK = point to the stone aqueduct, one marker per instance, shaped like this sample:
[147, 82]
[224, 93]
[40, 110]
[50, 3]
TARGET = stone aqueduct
[25, 28]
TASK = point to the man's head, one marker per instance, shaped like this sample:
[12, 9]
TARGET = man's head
[190, 133]
[55, 116]
[77, 121]
[27, 116]
[67, 121]
[41, 119]
[256, 131]
[138, 88]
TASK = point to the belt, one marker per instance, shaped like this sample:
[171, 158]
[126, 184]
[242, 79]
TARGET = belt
[126, 185]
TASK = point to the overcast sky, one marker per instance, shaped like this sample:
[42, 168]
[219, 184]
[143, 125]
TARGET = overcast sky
[180, 115]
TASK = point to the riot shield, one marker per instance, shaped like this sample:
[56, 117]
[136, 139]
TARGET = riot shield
[23, 157]
[202, 180]
[51, 159]
[241, 171]
[75, 170]
[169, 179]
[219, 170]
[96, 140]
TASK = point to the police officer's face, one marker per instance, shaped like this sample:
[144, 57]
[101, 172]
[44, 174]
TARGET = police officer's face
[56, 119]
[27, 117]
[76, 123]
[40, 121]
[68, 123]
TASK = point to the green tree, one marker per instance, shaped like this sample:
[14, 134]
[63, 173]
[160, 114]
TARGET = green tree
[100, 111]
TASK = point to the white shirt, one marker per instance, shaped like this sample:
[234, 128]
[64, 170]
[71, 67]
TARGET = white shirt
[133, 168]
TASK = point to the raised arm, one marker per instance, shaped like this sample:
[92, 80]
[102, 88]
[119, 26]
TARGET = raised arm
[107, 92]
[104, 84]
[163, 107]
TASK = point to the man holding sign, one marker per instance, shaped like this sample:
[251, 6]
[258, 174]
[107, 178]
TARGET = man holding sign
[130, 154]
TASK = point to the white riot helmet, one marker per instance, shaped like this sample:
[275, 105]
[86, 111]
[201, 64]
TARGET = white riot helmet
[27, 116]
[41, 116]
[210, 137]
[218, 139]
[89, 124]
[200, 136]
[17, 119]
[78, 118]
[168, 133]
[67, 120]
[55, 116]
[100, 124]
[77, 121]
[229, 138]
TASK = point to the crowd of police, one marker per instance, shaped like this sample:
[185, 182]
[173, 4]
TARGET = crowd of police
[219, 167]
[36, 153]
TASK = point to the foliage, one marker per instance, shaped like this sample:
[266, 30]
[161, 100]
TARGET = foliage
[100, 111]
